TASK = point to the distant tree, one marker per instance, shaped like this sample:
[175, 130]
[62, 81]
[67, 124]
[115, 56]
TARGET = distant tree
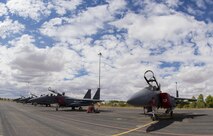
[200, 102]
[186, 105]
[209, 101]
[192, 104]
[180, 105]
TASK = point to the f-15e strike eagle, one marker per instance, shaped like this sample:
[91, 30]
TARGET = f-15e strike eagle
[65, 101]
[52, 99]
[152, 97]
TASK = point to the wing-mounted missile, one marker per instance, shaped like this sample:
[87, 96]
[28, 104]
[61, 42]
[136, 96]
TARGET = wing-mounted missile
[54, 91]
[151, 80]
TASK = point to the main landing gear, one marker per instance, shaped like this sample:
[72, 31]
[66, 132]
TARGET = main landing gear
[170, 112]
[167, 112]
[154, 115]
[57, 107]
[80, 108]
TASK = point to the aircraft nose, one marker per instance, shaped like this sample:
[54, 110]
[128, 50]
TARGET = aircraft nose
[140, 98]
[132, 100]
[129, 101]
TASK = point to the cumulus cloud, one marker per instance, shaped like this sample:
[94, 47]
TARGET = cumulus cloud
[87, 23]
[36, 9]
[8, 27]
[154, 28]
[3, 10]
[115, 6]
[33, 9]
[62, 6]
[24, 62]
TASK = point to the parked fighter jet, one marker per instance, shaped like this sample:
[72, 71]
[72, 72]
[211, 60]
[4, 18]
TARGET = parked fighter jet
[151, 97]
[65, 101]
[25, 100]
[47, 100]
[19, 99]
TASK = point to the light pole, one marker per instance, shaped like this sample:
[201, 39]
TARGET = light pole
[177, 95]
[99, 85]
[28, 86]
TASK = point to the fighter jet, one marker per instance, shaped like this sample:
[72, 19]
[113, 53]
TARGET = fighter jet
[19, 99]
[25, 100]
[47, 100]
[66, 101]
[152, 98]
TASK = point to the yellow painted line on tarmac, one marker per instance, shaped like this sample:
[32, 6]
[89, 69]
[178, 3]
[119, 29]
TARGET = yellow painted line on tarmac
[134, 129]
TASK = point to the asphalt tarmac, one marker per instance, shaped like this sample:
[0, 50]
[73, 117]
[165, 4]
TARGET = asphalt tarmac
[26, 120]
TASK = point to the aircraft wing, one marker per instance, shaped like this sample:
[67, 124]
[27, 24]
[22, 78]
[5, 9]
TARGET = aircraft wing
[92, 100]
[184, 100]
[83, 102]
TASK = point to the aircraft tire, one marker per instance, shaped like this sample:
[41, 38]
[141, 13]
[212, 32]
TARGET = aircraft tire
[56, 108]
[171, 114]
[154, 117]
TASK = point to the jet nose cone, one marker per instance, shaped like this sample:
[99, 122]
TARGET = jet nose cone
[132, 101]
[140, 98]
[129, 101]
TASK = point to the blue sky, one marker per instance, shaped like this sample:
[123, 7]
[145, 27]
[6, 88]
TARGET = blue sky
[56, 43]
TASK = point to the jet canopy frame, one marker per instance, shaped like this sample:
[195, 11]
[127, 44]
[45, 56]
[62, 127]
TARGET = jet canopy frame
[151, 79]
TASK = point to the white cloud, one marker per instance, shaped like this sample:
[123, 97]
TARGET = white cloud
[3, 10]
[8, 27]
[195, 80]
[114, 6]
[187, 74]
[172, 3]
[154, 28]
[62, 6]
[33, 9]
[36, 9]
[86, 23]
[24, 62]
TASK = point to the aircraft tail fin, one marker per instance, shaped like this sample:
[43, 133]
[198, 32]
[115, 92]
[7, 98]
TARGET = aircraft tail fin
[97, 94]
[88, 94]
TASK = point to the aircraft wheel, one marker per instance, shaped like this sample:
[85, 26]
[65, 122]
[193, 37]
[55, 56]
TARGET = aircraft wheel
[73, 108]
[171, 114]
[56, 108]
[154, 117]
[80, 108]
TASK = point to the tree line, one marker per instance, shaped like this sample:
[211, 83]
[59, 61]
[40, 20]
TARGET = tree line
[200, 103]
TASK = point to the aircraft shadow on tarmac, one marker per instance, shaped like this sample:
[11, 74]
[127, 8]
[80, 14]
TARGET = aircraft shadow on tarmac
[164, 121]
[83, 110]
[76, 110]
